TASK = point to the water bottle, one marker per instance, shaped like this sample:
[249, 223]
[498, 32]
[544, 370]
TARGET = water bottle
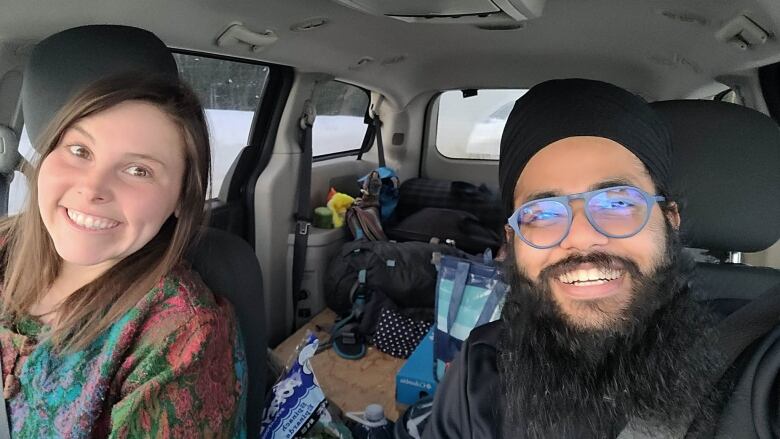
[371, 424]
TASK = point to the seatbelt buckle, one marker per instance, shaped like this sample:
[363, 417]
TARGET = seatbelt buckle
[302, 227]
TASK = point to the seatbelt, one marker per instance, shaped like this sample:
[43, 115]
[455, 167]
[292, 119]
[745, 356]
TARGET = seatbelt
[5, 429]
[303, 214]
[374, 131]
[368, 138]
[742, 328]
[734, 335]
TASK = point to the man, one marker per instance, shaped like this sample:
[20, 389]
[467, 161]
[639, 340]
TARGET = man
[599, 336]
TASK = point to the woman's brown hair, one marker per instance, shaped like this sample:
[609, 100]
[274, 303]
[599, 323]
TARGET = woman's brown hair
[29, 260]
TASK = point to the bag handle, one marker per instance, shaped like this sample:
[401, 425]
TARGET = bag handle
[458, 288]
[496, 296]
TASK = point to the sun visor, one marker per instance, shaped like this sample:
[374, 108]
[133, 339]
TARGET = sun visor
[451, 11]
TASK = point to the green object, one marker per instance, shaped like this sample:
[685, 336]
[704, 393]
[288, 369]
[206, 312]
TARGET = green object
[323, 218]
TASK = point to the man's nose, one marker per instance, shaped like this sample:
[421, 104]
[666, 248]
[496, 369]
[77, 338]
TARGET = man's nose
[582, 235]
[95, 185]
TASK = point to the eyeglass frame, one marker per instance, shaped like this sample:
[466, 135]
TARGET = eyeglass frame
[565, 200]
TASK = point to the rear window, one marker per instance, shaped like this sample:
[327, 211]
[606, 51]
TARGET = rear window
[471, 127]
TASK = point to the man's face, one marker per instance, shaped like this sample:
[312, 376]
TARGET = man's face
[575, 165]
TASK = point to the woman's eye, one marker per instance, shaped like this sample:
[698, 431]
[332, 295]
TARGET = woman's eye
[138, 171]
[79, 151]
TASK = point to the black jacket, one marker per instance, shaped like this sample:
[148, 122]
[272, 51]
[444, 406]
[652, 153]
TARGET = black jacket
[467, 400]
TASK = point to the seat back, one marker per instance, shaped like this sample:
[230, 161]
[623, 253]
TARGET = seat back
[66, 62]
[727, 167]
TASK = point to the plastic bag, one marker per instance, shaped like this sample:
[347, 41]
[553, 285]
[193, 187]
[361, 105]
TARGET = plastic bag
[468, 294]
[297, 406]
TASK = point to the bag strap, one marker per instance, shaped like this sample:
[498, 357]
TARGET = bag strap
[302, 214]
[743, 327]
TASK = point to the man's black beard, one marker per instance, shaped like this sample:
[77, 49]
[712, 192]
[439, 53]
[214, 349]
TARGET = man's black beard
[649, 366]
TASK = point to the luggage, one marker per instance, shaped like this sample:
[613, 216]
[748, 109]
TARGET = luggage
[418, 193]
[402, 271]
[464, 229]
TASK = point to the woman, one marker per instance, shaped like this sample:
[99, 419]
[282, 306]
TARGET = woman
[105, 330]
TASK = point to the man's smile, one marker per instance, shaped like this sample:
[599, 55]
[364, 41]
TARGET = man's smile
[587, 282]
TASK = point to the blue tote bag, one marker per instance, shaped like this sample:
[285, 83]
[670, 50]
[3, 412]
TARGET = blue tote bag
[468, 294]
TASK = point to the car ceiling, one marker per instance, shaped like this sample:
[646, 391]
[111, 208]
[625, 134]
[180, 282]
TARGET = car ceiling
[661, 49]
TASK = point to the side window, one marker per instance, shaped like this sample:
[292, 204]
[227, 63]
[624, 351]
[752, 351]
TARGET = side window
[339, 126]
[17, 191]
[471, 127]
[230, 92]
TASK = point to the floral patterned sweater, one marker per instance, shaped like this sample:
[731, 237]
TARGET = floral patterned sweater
[173, 366]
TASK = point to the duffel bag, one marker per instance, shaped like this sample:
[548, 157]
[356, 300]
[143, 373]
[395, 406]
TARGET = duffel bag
[401, 270]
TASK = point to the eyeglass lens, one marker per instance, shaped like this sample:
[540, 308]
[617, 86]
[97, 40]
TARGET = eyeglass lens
[618, 212]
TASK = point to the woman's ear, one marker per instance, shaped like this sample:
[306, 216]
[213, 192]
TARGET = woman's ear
[673, 214]
[177, 211]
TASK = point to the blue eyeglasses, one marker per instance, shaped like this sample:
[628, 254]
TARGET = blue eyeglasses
[615, 212]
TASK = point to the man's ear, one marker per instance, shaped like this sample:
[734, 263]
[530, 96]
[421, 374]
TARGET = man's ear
[509, 234]
[673, 213]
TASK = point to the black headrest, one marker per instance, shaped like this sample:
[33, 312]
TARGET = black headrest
[64, 63]
[727, 169]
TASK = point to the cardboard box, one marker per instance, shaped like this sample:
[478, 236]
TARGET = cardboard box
[415, 380]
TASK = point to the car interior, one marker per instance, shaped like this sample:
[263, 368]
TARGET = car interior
[442, 77]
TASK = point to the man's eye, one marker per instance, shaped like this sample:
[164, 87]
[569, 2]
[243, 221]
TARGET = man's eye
[79, 151]
[616, 204]
[138, 171]
[532, 217]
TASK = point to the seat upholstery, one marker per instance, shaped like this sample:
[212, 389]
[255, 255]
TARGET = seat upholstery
[727, 168]
[66, 62]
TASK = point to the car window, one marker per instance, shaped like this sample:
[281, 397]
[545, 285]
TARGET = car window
[230, 92]
[339, 126]
[470, 127]
[17, 191]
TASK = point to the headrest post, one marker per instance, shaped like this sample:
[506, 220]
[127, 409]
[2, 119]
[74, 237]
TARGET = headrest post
[734, 258]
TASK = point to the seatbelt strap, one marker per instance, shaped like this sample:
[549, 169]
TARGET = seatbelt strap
[5, 429]
[302, 214]
[742, 328]
[374, 131]
[368, 138]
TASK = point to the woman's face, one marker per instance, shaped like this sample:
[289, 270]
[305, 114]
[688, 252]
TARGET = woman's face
[108, 186]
